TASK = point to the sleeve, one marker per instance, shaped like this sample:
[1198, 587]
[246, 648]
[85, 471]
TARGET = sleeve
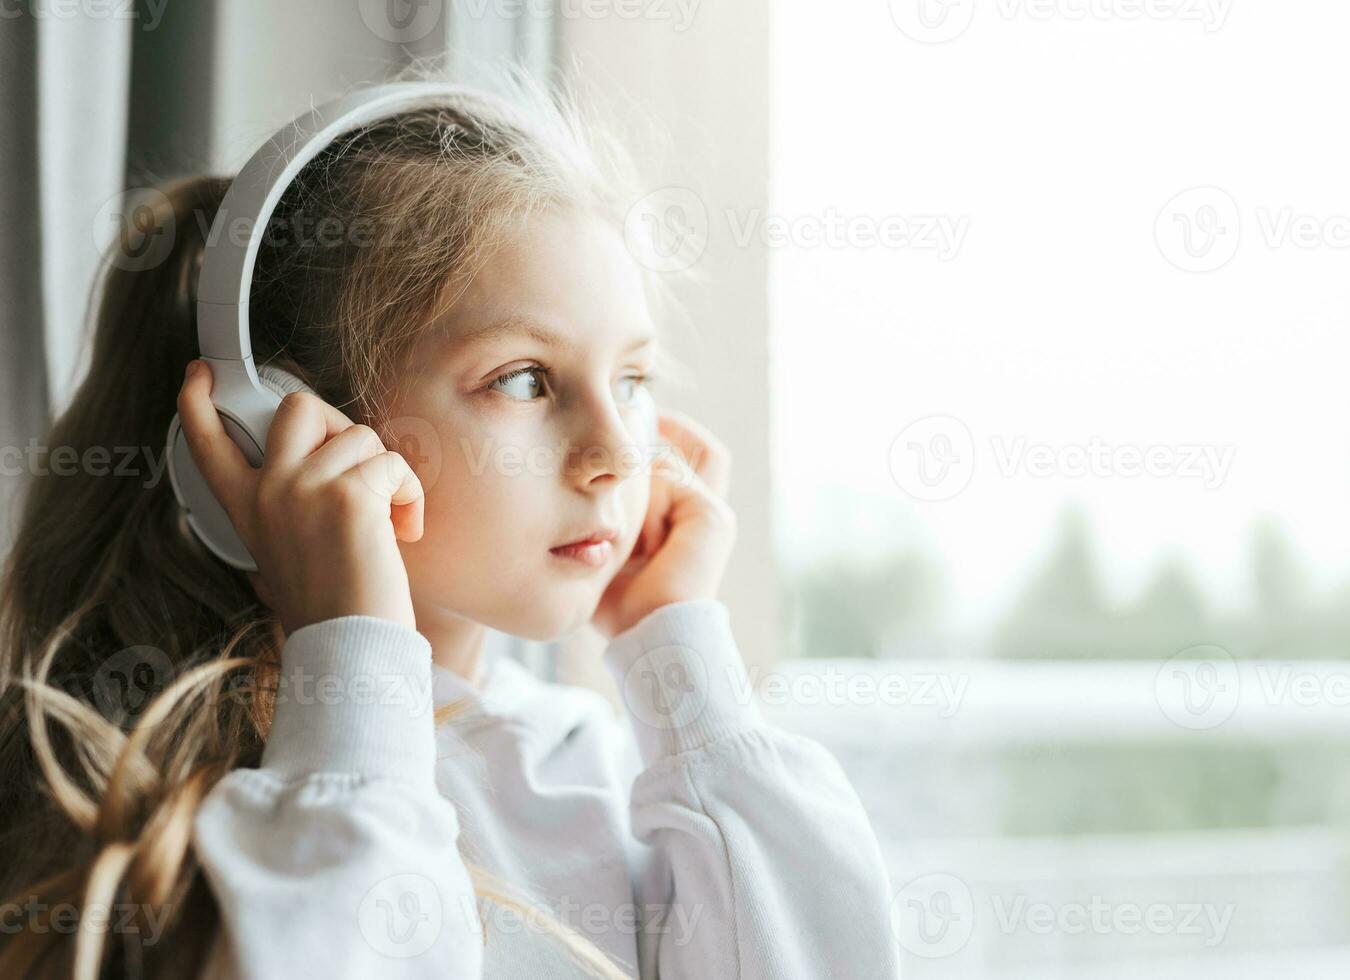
[760, 860]
[338, 857]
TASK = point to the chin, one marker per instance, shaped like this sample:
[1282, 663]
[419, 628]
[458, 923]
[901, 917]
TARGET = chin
[554, 617]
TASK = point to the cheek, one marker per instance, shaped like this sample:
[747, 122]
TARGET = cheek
[488, 502]
[636, 495]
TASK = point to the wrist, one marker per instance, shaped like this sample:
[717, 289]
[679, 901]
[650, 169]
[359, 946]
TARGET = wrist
[353, 695]
[643, 608]
[681, 678]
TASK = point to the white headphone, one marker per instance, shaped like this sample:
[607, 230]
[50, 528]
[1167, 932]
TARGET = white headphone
[245, 397]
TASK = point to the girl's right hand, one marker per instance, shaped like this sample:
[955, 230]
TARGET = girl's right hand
[323, 515]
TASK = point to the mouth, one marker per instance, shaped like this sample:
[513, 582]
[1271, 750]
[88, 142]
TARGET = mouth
[594, 549]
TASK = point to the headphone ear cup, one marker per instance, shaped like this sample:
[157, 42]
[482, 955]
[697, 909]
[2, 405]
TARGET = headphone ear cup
[202, 512]
[281, 381]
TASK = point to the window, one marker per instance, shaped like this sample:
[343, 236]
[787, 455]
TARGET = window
[1059, 304]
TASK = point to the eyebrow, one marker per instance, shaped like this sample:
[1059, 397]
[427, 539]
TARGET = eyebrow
[525, 326]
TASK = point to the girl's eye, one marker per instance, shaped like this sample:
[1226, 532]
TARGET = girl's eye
[523, 385]
[634, 382]
[527, 384]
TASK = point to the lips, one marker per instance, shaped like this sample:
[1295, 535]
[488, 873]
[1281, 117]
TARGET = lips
[594, 548]
[591, 537]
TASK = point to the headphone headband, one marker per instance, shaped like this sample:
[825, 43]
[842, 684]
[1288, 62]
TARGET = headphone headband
[246, 402]
[227, 267]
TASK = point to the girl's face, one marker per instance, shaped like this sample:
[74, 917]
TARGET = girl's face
[529, 424]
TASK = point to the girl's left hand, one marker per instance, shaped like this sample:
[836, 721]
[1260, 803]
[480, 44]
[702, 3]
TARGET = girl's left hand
[688, 533]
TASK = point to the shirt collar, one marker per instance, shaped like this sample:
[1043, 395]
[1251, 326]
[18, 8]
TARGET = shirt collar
[502, 685]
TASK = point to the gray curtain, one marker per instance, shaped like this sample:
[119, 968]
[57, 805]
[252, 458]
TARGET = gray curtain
[97, 100]
[23, 395]
[62, 140]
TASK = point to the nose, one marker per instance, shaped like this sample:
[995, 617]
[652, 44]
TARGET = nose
[607, 442]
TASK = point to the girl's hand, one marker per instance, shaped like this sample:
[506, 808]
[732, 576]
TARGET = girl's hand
[323, 514]
[687, 536]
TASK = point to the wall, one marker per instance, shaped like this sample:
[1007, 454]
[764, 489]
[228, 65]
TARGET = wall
[701, 75]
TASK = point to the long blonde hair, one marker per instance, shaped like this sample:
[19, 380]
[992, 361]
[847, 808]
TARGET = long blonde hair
[99, 795]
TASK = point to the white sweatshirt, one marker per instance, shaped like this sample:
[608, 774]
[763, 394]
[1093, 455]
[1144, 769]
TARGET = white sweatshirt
[692, 840]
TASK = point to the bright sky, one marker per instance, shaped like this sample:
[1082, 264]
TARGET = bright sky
[1061, 317]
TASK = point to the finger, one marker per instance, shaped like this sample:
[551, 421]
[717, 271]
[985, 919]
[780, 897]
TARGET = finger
[303, 422]
[389, 475]
[671, 476]
[351, 446]
[672, 467]
[705, 453]
[692, 500]
[222, 463]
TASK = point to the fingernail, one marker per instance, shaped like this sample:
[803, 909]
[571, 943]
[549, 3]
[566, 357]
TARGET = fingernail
[191, 369]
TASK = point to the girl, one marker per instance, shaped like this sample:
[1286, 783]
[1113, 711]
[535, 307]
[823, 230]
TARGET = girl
[333, 780]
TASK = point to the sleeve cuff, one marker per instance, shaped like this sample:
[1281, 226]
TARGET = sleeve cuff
[354, 695]
[681, 678]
